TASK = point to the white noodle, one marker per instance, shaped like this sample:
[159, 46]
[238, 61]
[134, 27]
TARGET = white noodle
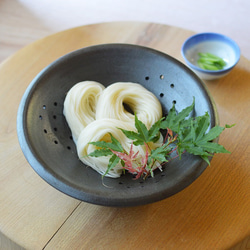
[93, 111]
[141, 101]
[80, 105]
[97, 131]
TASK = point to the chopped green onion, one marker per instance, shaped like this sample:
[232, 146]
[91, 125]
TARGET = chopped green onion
[209, 61]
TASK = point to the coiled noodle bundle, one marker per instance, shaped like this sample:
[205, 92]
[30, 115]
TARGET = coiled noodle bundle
[99, 131]
[80, 105]
[140, 101]
[93, 112]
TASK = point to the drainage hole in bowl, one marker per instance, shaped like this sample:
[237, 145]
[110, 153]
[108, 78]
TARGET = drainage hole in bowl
[161, 94]
[171, 85]
[55, 128]
[161, 77]
[174, 102]
[147, 78]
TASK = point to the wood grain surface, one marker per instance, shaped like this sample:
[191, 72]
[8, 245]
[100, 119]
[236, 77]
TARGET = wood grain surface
[212, 213]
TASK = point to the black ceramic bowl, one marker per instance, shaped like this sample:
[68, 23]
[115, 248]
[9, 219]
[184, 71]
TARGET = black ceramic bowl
[45, 137]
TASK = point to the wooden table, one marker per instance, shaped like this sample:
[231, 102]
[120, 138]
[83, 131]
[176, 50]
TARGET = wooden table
[212, 213]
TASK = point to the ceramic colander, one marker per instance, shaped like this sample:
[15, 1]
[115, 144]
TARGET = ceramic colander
[46, 140]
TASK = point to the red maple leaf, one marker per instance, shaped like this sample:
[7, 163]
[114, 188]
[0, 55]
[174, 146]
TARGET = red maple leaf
[127, 158]
[137, 168]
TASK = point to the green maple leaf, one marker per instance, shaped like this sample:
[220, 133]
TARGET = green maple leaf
[161, 153]
[176, 121]
[104, 148]
[192, 134]
[100, 152]
[143, 135]
[113, 161]
[197, 141]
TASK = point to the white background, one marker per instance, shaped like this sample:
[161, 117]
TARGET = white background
[24, 21]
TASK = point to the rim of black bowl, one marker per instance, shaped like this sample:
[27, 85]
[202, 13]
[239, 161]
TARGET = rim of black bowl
[71, 189]
[210, 36]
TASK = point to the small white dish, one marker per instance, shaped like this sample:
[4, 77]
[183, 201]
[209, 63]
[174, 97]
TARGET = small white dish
[216, 44]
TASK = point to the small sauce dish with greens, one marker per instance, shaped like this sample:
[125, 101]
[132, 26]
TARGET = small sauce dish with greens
[210, 55]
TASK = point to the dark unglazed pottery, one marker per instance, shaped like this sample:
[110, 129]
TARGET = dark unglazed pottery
[46, 140]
